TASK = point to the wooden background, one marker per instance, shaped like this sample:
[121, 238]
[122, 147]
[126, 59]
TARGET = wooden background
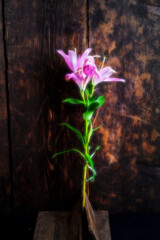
[32, 88]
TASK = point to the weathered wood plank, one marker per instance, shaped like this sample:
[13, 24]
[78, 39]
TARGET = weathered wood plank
[102, 223]
[5, 190]
[92, 227]
[127, 33]
[45, 226]
[35, 30]
[47, 221]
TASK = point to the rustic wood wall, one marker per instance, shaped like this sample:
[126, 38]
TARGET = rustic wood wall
[32, 88]
[5, 190]
[127, 32]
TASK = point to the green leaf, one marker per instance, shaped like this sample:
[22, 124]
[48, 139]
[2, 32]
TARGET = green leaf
[91, 167]
[88, 115]
[92, 178]
[78, 133]
[96, 149]
[95, 129]
[89, 88]
[73, 101]
[90, 132]
[89, 160]
[70, 150]
[97, 103]
[100, 100]
[92, 105]
[91, 100]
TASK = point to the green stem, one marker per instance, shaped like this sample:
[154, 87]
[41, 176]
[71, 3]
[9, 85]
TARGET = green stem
[83, 97]
[85, 166]
[86, 150]
[91, 95]
[84, 186]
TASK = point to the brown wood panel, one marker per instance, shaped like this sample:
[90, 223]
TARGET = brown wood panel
[5, 190]
[127, 33]
[35, 30]
[55, 224]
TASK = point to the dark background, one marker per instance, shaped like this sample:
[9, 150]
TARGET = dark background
[32, 88]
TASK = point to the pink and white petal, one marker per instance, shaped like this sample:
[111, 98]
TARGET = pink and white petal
[110, 79]
[73, 59]
[83, 57]
[96, 73]
[96, 56]
[87, 81]
[95, 80]
[88, 68]
[68, 76]
[106, 72]
[66, 58]
[90, 59]
[76, 78]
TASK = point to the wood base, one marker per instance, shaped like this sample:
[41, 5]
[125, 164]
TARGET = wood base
[54, 225]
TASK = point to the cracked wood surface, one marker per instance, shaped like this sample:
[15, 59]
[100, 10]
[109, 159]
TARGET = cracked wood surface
[128, 165]
[127, 33]
[5, 190]
[35, 30]
[54, 225]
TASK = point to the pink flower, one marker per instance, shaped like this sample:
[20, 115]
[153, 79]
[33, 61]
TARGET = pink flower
[89, 67]
[104, 75]
[82, 67]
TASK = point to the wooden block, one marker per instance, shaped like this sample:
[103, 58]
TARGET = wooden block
[92, 225]
[45, 226]
[102, 222]
[53, 225]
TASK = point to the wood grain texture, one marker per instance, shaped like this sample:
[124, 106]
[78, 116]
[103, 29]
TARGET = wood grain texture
[53, 225]
[127, 33]
[35, 30]
[128, 167]
[5, 190]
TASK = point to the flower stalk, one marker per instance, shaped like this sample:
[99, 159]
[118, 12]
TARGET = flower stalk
[84, 186]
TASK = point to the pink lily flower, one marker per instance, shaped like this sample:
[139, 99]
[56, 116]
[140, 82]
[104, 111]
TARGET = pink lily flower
[104, 75]
[82, 67]
[89, 67]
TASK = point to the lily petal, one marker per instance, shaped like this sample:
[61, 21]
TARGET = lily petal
[106, 72]
[67, 60]
[73, 58]
[87, 81]
[90, 67]
[76, 78]
[114, 80]
[84, 55]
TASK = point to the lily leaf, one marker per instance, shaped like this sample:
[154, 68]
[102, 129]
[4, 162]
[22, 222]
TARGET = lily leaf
[78, 133]
[88, 115]
[95, 129]
[92, 178]
[100, 100]
[89, 160]
[70, 150]
[73, 101]
[96, 149]
[91, 167]
[90, 132]
[89, 88]
[92, 105]
[91, 100]
[97, 103]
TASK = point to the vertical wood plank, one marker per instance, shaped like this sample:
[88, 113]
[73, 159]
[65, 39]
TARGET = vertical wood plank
[5, 190]
[127, 33]
[35, 30]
